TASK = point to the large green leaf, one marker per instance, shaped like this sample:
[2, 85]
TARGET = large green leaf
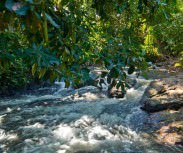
[52, 21]
[9, 4]
[17, 7]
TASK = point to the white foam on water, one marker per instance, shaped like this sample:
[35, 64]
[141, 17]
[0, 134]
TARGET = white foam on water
[89, 124]
[7, 136]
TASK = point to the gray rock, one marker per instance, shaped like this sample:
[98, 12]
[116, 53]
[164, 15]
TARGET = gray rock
[114, 92]
[159, 96]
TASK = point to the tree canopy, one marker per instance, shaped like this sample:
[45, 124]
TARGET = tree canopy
[58, 39]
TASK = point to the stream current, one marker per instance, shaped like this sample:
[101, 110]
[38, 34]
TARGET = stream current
[63, 123]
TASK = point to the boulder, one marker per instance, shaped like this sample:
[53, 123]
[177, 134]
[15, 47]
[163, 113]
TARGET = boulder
[117, 93]
[114, 92]
[161, 96]
[171, 133]
[87, 93]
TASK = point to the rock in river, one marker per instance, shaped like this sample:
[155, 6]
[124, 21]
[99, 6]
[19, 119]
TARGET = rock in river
[162, 95]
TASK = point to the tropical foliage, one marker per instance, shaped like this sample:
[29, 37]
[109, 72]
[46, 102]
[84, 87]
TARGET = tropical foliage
[58, 39]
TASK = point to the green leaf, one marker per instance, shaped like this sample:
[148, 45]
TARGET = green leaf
[52, 21]
[140, 6]
[110, 41]
[67, 83]
[17, 7]
[34, 68]
[53, 77]
[120, 9]
[108, 79]
[85, 73]
[124, 74]
[122, 87]
[131, 69]
[103, 75]
[166, 16]
[42, 73]
[30, 1]
[145, 2]
[67, 50]
[22, 11]
[38, 15]
[118, 85]
[114, 73]
[9, 4]
[128, 86]
[178, 64]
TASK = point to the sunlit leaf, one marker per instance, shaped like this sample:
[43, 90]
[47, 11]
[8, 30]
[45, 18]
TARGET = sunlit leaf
[42, 73]
[178, 64]
[34, 68]
[67, 50]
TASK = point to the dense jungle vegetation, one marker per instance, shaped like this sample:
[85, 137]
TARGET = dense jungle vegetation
[59, 39]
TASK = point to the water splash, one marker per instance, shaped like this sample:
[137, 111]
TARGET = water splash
[76, 121]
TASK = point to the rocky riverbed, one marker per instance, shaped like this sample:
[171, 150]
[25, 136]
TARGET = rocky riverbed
[163, 99]
[85, 120]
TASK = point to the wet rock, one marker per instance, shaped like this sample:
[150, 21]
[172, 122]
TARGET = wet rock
[131, 82]
[86, 89]
[162, 95]
[154, 88]
[85, 93]
[171, 133]
[117, 93]
[113, 91]
[94, 74]
[151, 107]
[164, 100]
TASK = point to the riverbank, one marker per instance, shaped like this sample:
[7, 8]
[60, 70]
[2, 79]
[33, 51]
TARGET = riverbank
[163, 99]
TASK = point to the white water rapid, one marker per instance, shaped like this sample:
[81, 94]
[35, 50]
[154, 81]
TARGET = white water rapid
[71, 123]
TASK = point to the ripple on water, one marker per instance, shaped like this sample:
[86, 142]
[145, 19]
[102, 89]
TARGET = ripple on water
[98, 125]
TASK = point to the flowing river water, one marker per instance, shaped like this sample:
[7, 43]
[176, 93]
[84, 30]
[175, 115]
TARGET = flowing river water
[61, 123]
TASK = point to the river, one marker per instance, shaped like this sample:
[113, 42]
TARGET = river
[61, 123]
